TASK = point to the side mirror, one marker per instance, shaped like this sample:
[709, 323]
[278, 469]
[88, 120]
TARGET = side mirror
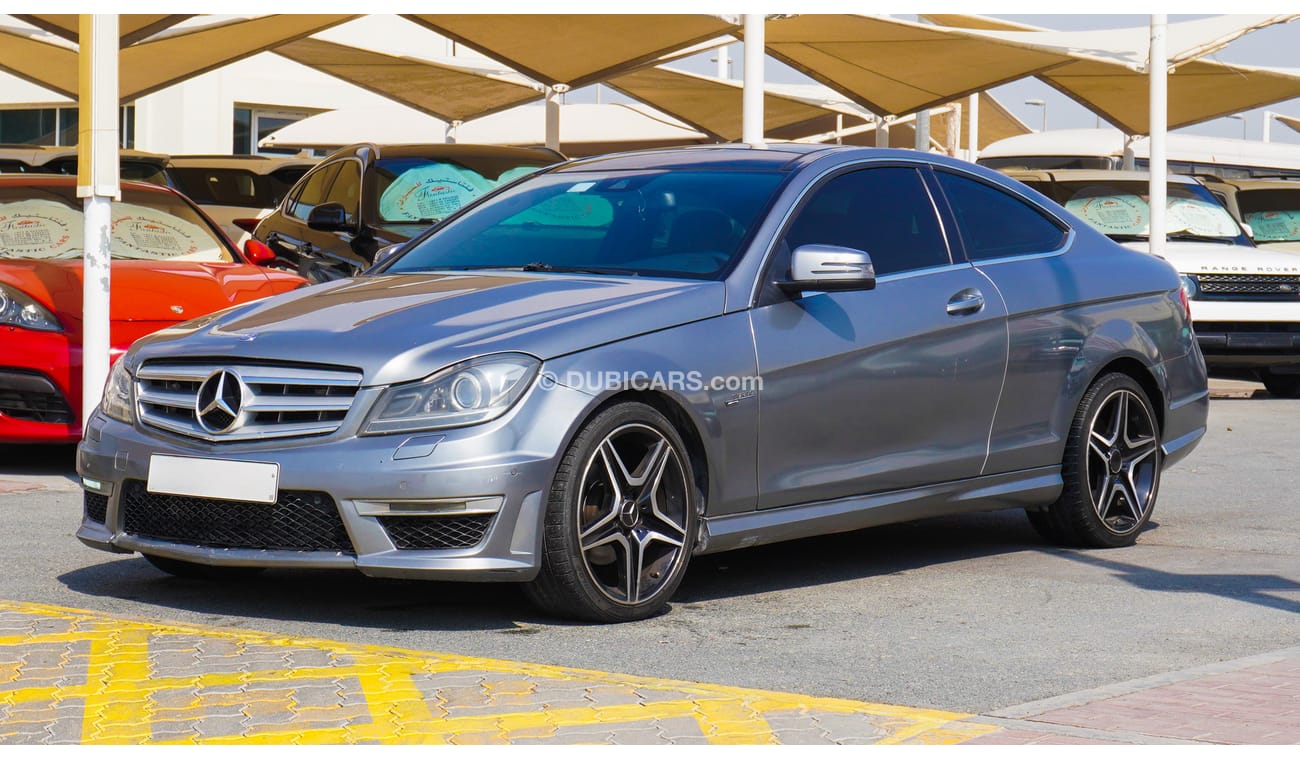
[258, 253]
[386, 253]
[829, 268]
[1250, 231]
[328, 217]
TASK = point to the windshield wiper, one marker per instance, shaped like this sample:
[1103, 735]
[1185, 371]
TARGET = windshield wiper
[1202, 238]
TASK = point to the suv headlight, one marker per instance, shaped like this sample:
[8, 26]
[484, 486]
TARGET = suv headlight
[467, 393]
[1190, 286]
[118, 401]
[21, 310]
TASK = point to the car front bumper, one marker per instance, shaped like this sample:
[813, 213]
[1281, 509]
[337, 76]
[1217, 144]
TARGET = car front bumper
[496, 474]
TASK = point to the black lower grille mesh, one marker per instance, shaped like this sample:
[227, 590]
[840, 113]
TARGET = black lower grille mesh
[32, 397]
[96, 507]
[450, 532]
[298, 521]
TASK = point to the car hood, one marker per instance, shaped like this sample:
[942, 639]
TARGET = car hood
[1217, 258]
[139, 291]
[404, 327]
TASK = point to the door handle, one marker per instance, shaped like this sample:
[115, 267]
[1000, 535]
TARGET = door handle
[966, 301]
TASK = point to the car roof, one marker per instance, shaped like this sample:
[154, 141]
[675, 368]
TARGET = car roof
[1257, 184]
[448, 150]
[1093, 175]
[251, 163]
[67, 180]
[774, 156]
[39, 155]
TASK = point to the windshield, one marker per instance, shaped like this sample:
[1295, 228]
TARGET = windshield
[418, 190]
[656, 223]
[1120, 209]
[1273, 215]
[46, 223]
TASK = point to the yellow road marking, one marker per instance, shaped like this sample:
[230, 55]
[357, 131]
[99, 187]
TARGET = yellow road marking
[120, 703]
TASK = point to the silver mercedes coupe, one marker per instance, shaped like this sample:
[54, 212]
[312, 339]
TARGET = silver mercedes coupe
[594, 373]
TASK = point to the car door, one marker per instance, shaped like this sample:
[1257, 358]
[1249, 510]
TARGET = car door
[286, 230]
[882, 389]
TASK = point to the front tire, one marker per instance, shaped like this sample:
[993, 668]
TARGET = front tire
[620, 520]
[1111, 469]
[1282, 386]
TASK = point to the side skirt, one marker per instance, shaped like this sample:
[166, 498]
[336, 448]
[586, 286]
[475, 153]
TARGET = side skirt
[1025, 488]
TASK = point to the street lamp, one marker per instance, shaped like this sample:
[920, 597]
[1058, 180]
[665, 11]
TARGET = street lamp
[1242, 117]
[1043, 105]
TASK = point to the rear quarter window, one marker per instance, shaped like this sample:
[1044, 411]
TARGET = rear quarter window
[995, 224]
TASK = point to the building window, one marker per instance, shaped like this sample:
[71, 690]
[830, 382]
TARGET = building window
[252, 124]
[55, 126]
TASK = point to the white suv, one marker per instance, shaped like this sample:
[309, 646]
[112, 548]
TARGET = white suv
[1245, 299]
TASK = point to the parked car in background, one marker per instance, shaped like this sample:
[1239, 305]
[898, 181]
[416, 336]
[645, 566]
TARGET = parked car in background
[236, 191]
[1245, 299]
[1271, 207]
[366, 197]
[135, 165]
[169, 265]
[590, 376]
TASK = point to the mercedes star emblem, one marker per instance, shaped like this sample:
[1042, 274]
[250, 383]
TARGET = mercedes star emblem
[218, 403]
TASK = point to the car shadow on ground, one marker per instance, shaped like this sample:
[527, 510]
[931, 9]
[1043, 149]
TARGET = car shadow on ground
[340, 597]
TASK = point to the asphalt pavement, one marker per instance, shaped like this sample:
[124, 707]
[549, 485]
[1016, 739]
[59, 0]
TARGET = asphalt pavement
[973, 614]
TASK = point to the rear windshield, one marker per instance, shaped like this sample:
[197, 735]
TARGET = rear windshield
[133, 171]
[46, 223]
[1273, 215]
[236, 187]
[423, 191]
[688, 224]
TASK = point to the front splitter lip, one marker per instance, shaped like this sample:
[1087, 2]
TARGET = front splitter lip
[408, 564]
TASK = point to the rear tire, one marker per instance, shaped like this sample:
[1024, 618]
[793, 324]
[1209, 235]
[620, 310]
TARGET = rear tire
[620, 520]
[1282, 386]
[182, 569]
[1111, 469]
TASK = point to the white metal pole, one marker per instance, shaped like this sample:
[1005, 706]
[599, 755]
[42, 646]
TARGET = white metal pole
[553, 118]
[97, 183]
[724, 70]
[1158, 71]
[751, 129]
[954, 130]
[882, 131]
[922, 131]
[1130, 153]
[1267, 136]
[974, 139]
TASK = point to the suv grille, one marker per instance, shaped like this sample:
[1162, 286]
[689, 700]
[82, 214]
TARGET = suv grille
[96, 507]
[269, 401]
[1265, 287]
[298, 521]
[29, 396]
[452, 532]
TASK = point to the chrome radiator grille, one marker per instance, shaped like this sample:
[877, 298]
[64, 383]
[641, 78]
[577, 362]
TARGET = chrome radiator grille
[1271, 287]
[245, 401]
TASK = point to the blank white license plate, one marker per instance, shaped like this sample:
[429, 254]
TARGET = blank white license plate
[214, 478]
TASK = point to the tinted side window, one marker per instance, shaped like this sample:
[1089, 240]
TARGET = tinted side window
[346, 189]
[312, 193]
[886, 212]
[994, 224]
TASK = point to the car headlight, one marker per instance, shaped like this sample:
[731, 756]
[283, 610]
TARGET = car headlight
[118, 401]
[21, 310]
[467, 393]
[1190, 286]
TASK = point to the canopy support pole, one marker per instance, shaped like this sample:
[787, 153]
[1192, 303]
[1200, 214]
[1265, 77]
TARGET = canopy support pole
[1158, 71]
[922, 124]
[751, 128]
[450, 136]
[952, 142]
[1267, 135]
[882, 131]
[553, 116]
[974, 140]
[1130, 153]
[97, 183]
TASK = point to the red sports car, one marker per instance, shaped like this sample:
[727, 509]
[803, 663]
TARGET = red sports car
[170, 264]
